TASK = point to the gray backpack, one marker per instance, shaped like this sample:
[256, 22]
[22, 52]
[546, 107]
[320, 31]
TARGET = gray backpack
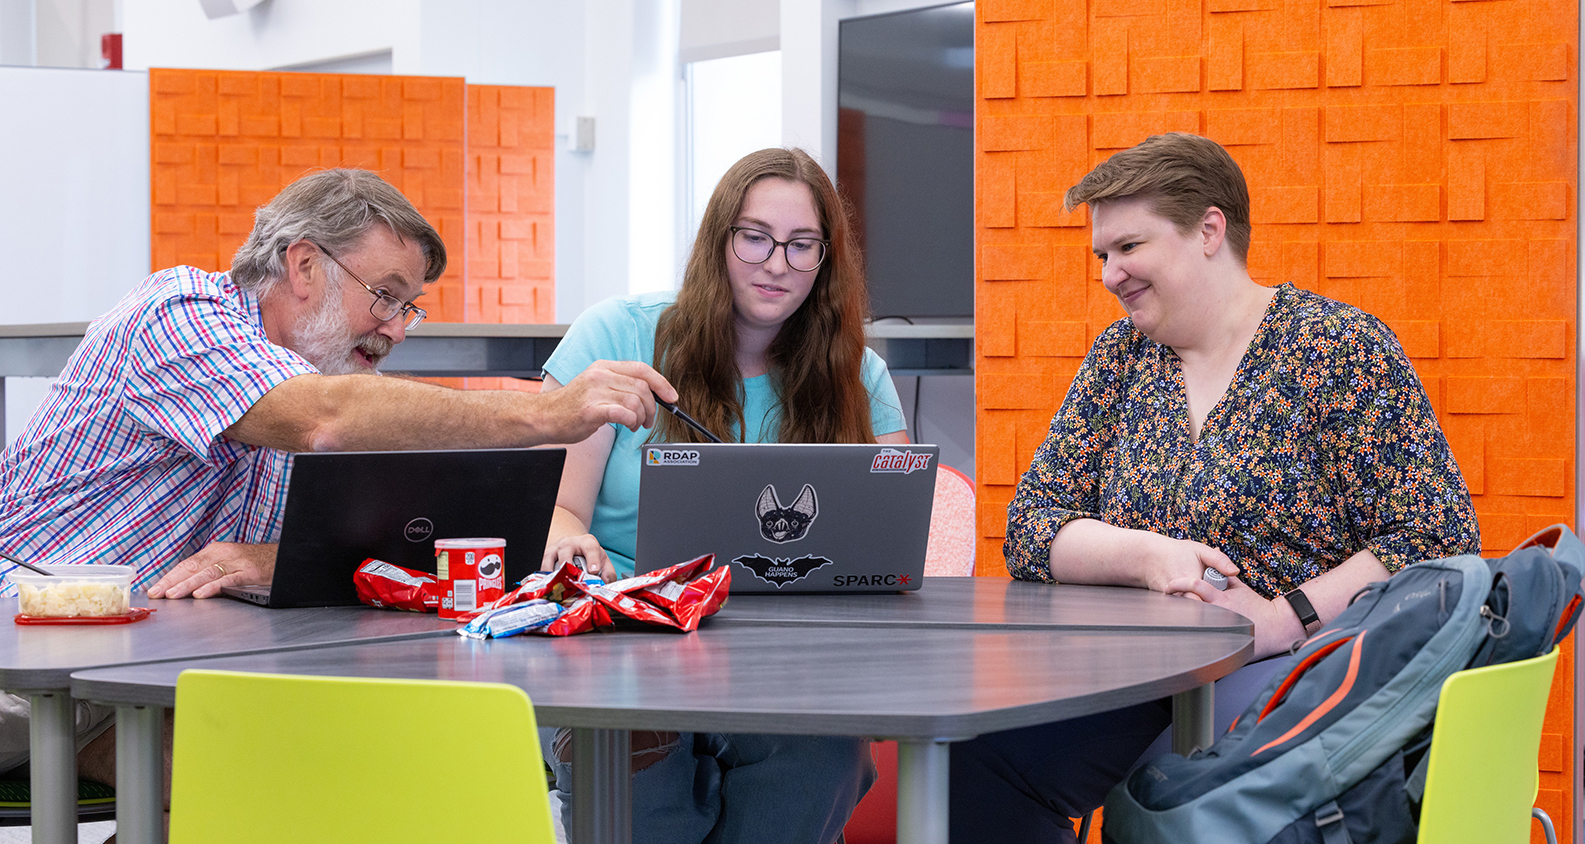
[1332, 750]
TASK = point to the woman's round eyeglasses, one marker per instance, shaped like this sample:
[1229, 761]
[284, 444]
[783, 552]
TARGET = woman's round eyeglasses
[385, 306]
[752, 246]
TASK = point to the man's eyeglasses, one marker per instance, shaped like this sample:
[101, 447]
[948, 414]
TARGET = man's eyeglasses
[752, 246]
[386, 306]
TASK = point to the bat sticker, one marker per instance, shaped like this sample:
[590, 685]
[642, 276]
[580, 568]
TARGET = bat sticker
[785, 524]
[780, 572]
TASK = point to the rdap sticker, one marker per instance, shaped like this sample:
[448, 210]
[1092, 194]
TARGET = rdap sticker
[891, 460]
[672, 456]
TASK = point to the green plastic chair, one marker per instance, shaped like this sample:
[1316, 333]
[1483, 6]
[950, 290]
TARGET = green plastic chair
[1481, 780]
[275, 758]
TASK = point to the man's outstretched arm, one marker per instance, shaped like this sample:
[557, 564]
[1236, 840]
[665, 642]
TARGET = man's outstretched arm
[373, 413]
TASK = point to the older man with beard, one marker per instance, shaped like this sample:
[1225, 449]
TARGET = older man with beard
[166, 441]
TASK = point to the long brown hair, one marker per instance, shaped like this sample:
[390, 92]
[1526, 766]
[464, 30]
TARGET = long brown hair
[816, 360]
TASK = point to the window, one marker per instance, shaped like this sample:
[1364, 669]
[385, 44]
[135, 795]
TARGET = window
[733, 109]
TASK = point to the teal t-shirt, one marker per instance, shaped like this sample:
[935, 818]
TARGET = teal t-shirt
[624, 329]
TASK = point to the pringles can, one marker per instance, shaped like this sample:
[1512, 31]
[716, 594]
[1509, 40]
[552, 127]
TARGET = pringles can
[472, 573]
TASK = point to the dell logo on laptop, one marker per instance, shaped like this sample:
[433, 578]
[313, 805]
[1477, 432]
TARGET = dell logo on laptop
[419, 530]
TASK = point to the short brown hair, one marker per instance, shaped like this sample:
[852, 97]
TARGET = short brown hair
[1182, 175]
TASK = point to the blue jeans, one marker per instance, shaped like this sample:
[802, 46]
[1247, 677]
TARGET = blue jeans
[714, 787]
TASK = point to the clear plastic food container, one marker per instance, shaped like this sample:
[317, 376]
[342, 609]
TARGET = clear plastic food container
[74, 591]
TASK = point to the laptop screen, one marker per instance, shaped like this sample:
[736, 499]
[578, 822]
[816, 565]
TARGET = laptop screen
[342, 508]
[790, 517]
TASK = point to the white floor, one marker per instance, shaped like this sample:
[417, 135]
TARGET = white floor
[88, 833]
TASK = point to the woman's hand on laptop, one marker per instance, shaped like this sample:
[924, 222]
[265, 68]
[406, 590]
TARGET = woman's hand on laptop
[218, 564]
[582, 550]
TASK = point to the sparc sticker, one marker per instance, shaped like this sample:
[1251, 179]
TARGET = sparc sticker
[658, 456]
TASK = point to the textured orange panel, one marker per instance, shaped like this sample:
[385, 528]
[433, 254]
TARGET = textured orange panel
[511, 204]
[225, 142]
[510, 219]
[1414, 158]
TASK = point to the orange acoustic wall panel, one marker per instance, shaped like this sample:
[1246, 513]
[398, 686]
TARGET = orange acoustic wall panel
[475, 160]
[1413, 157]
[511, 204]
[225, 142]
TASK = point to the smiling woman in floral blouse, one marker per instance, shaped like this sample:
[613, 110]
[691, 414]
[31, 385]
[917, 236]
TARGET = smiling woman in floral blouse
[1272, 434]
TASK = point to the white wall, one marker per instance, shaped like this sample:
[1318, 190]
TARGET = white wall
[280, 33]
[809, 68]
[69, 31]
[74, 201]
[74, 194]
[718, 29]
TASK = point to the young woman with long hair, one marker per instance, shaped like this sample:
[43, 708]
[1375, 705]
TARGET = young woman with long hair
[764, 342]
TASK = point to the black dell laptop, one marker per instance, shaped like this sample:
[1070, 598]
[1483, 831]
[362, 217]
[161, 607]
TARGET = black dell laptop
[343, 508]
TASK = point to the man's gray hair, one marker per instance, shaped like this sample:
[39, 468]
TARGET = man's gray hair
[332, 209]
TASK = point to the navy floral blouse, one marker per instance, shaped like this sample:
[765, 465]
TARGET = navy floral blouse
[1324, 444]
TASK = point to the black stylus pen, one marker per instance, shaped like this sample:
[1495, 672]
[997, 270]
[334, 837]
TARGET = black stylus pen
[692, 422]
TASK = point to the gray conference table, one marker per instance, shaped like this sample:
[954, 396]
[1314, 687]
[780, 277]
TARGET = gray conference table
[36, 661]
[923, 685]
[977, 602]
[990, 601]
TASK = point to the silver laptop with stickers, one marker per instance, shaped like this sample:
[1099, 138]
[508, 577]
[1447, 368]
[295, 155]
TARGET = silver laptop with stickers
[790, 517]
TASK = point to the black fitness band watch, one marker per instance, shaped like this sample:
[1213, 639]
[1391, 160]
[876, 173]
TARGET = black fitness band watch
[1305, 611]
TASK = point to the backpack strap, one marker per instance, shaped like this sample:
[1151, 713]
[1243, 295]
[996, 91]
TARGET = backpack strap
[1569, 553]
[1329, 820]
[1414, 784]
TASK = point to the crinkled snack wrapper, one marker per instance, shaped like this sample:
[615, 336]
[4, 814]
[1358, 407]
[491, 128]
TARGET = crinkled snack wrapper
[678, 597]
[381, 584]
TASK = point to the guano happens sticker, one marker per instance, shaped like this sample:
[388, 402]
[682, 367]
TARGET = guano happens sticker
[778, 571]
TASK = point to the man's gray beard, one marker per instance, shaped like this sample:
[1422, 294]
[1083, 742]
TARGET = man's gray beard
[325, 340]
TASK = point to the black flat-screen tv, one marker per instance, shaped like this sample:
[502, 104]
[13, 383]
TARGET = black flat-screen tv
[905, 155]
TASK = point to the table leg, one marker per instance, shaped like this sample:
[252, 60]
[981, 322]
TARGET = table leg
[140, 774]
[922, 791]
[1194, 719]
[52, 736]
[602, 787]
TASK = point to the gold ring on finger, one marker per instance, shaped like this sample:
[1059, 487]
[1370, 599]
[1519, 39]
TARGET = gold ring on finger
[220, 568]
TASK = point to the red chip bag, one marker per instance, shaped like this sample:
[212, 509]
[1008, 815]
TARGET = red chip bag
[381, 584]
[677, 597]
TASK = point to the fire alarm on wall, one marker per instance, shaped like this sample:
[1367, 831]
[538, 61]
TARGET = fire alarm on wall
[582, 139]
[110, 50]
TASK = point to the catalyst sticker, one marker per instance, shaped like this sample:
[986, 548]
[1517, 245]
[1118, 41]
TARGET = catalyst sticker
[892, 461]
